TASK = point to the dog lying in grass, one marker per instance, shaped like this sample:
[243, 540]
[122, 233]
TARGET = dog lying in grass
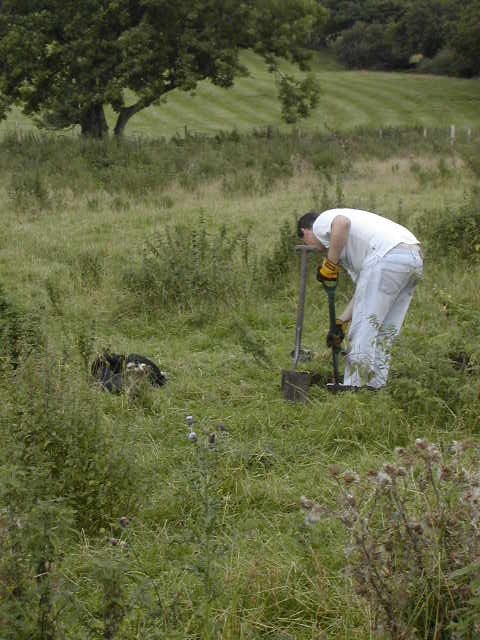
[115, 372]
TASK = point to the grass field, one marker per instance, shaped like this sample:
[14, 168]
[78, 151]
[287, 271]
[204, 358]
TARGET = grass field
[182, 251]
[349, 99]
[217, 545]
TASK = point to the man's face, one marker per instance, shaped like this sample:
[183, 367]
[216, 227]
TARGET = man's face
[310, 239]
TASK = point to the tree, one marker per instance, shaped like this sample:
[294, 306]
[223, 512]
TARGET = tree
[66, 60]
[466, 39]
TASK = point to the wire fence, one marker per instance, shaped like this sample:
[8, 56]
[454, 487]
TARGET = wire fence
[453, 133]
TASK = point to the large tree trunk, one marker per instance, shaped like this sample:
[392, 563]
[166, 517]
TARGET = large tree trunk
[93, 122]
[126, 113]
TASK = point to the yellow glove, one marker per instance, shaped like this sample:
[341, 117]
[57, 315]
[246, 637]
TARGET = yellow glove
[327, 274]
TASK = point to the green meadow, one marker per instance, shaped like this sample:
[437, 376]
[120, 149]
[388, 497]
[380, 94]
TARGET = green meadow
[348, 99]
[115, 523]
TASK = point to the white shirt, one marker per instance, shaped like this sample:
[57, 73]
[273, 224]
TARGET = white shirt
[370, 235]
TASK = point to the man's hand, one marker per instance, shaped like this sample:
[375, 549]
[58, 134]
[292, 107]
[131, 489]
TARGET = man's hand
[327, 274]
[336, 335]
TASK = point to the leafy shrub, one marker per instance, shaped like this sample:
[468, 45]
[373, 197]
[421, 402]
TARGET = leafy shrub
[19, 331]
[191, 267]
[194, 268]
[33, 592]
[27, 190]
[450, 231]
[471, 155]
[57, 446]
[413, 548]
[444, 63]
[282, 257]
[364, 46]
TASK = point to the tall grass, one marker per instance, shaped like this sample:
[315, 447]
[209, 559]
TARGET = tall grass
[116, 522]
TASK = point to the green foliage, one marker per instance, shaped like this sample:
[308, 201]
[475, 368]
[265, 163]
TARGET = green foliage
[298, 97]
[281, 260]
[396, 35]
[60, 447]
[455, 232]
[466, 38]
[28, 191]
[215, 547]
[191, 267]
[19, 332]
[34, 536]
[85, 57]
[412, 546]
[198, 268]
[363, 46]
[444, 62]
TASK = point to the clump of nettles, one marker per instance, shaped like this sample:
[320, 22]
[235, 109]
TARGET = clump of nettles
[413, 548]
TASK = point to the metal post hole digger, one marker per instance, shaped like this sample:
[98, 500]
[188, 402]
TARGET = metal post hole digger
[296, 384]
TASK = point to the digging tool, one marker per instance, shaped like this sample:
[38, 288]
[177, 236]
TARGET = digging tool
[295, 384]
[335, 350]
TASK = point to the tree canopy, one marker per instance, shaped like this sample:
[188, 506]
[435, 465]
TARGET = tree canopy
[64, 61]
[441, 35]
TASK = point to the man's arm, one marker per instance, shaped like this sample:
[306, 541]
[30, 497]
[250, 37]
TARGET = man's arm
[346, 316]
[338, 239]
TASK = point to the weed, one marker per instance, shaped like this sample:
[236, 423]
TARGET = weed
[19, 331]
[413, 549]
[192, 267]
[28, 191]
[60, 447]
[453, 232]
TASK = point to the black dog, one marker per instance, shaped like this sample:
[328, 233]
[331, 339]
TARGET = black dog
[110, 370]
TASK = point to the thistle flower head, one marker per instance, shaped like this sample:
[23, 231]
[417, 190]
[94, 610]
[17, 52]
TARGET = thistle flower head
[421, 443]
[349, 477]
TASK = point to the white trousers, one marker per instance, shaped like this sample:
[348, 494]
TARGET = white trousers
[384, 290]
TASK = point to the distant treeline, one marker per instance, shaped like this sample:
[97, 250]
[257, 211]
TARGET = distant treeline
[432, 36]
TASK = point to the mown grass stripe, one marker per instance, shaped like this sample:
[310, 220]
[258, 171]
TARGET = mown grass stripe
[348, 99]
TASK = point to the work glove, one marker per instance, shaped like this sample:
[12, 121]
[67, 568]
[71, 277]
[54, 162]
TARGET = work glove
[327, 274]
[336, 335]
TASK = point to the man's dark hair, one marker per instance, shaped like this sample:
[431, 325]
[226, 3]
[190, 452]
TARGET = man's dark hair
[306, 222]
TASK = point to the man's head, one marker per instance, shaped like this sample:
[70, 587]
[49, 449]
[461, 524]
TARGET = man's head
[304, 229]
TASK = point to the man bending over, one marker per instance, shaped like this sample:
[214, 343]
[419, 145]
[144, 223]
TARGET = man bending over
[385, 262]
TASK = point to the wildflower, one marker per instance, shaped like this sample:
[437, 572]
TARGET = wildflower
[306, 502]
[457, 448]
[350, 476]
[416, 527]
[315, 514]
[421, 443]
[212, 438]
[192, 436]
[118, 542]
[383, 479]
[433, 453]
[444, 473]
[124, 522]
[390, 470]
[334, 470]
[222, 427]
[350, 500]
[348, 520]
[190, 420]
